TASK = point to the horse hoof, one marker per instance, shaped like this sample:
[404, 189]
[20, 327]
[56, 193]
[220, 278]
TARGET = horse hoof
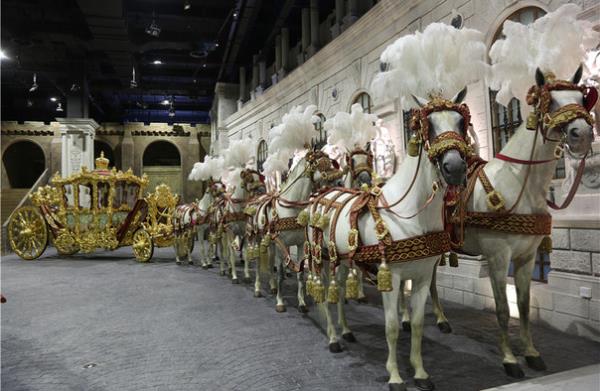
[258, 294]
[280, 308]
[536, 362]
[223, 273]
[397, 387]
[247, 280]
[444, 327]
[424, 384]
[406, 327]
[362, 300]
[335, 347]
[178, 262]
[513, 370]
[209, 266]
[235, 281]
[273, 291]
[349, 337]
[302, 309]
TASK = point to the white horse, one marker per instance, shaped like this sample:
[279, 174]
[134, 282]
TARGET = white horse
[275, 221]
[414, 205]
[527, 162]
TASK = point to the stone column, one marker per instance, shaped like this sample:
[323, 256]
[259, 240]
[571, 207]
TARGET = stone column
[305, 30]
[285, 52]
[274, 77]
[351, 14]
[336, 29]
[314, 27]
[242, 87]
[254, 76]
[77, 136]
[262, 77]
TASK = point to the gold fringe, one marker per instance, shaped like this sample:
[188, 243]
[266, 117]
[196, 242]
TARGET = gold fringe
[333, 293]
[352, 285]
[384, 278]
[546, 245]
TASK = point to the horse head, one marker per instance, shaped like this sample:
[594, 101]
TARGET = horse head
[562, 110]
[360, 165]
[253, 182]
[441, 125]
[323, 170]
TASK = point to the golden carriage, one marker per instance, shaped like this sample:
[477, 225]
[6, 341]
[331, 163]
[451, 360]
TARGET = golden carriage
[103, 208]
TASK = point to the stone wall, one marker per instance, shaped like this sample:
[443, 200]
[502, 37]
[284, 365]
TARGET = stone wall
[128, 142]
[345, 67]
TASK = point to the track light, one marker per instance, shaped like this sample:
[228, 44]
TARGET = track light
[75, 87]
[153, 28]
[165, 102]
[187, 5]
[157, 62]
[53, 99]
[3, 55]
[29, 103]
[34, 86]
[59, 107]
[171, 110]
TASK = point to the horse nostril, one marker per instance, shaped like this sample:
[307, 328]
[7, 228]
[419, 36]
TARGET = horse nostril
[446, 167]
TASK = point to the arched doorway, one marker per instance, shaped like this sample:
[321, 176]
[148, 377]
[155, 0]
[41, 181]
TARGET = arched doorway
[161, 161]
[103, 146]
[24, 162]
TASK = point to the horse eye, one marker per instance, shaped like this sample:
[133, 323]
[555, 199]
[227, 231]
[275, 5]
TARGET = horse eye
[384, 66]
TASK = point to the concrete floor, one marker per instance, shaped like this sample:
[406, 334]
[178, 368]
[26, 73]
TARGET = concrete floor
[106, 322]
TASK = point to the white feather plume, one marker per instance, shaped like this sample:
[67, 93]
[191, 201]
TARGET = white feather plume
[276, 162]
[351, 130]
[232, 178]
[239, 153]
[296, 130]
[556, 42]
[211, 167]
[441, 60]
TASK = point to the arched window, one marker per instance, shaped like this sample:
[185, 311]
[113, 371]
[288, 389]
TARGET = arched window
[161, 153]
[261, 155]
[505, 120]
[365, 101]
[24, 162]
[321, 139]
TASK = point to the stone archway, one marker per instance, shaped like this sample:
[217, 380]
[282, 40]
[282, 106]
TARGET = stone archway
[161, 161]
[24, 162]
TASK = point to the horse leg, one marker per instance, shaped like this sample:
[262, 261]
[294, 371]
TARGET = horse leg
[523, 271]
[362, 298]
[188, 248]
[257, 283]
[442, 321]
[301, 293]
[272, 272]
[247, 260]
[232, 257]
[224, 253]
[342, 276]
[404, 308]
[498, 270]
[280, 306]
[420, 290]
[390, 306]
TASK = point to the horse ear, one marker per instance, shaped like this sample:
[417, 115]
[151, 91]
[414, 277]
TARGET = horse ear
[540, 79]
[458, 98]
[335, 164]
[577, 76]
[420, 101]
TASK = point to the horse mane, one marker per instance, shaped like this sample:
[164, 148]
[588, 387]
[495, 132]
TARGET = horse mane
[293, 174]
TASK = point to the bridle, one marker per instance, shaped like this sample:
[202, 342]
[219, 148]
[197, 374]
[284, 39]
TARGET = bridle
[250, 184]
[357, 169]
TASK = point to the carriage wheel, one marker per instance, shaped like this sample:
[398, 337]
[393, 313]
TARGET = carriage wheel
[65, 243]
[143, 248]
[27, 232]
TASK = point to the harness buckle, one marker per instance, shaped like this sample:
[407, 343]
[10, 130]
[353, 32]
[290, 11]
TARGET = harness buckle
[495, 201]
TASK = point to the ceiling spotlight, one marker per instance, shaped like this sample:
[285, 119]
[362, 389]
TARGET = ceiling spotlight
[187, 5]
[75, 87]
[34, 86]
[133, 83]
[29, 103]
[235, 14]
[153, 28]
[165, 102]
[53, 99]
[171, 110]
[3, 55]
[59, 107]
[157, 62]
[203, 65]
[217, 45]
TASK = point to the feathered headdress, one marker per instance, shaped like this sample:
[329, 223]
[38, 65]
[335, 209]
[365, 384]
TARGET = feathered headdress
[211, 167]
[556, 42]
[441, 60]
[239, 153]
[351, 130]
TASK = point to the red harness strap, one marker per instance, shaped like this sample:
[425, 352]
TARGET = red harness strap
[524, 162]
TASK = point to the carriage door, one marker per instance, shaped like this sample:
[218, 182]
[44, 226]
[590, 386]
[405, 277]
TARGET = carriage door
[162, 164]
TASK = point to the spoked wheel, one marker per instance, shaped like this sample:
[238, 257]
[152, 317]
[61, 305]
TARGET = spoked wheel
[27, 233]
[65, 243]
[143, 248]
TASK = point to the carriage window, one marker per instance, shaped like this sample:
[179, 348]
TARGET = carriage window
[68, 196]
[85, 195]
[261, 155]
[131, 194]
[103, 189]
[365, 101]
[321, 139]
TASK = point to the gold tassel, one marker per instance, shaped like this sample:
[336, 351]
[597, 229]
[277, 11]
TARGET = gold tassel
[453, 260]
[333, 293]
[263, 265]
[352, 285]
[384, 278]
[442, 260]
[309, 284]
[532, 121]
[546, 245]
[413, 146]
[318, 291]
